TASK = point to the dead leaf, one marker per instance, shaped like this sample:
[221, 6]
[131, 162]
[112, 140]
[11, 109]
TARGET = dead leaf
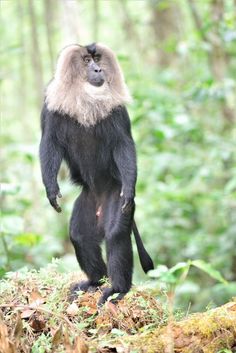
[232, 307]
[80, 346]
[182, 341]
[112, 308]
[18, 327]
[92, 311]
[26, 314]
[87, 303]
[66, 342]
[6, 345]
[37, 322]
[72, 309]
[124, 309]
[176, 331]
[35, 299]
[57, 337]
[1, 315]
[103, 319]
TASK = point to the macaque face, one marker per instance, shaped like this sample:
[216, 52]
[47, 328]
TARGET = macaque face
[95, 74]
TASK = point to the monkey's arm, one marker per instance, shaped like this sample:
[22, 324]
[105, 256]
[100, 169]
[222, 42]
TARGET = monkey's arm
[125, 158]
[50, 159]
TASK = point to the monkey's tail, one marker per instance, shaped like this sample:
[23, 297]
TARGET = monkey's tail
[145, 259]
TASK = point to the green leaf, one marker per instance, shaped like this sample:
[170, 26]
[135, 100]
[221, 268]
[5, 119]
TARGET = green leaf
[180, 270]
[168, 278]
[204, 266]
[113, 296]
[179, 267]
[28, 239]
[117, 332]
[158, 271]
[2, 272]
[172, 275]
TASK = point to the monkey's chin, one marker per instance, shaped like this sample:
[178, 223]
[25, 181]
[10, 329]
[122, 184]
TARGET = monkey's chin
[96, 91]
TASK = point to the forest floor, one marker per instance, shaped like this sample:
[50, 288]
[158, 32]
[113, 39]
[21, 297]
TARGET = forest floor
[36, 316]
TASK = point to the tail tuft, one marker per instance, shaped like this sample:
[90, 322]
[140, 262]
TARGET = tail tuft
[144, 257]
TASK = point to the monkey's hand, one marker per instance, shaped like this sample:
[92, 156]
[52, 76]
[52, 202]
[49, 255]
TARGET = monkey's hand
[128, 202]
[52, 197]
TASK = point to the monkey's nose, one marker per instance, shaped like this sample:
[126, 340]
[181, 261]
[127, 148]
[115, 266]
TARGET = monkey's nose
[96, 68]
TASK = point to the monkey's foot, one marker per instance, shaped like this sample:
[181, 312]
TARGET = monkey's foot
[107, 292]
[84, 286]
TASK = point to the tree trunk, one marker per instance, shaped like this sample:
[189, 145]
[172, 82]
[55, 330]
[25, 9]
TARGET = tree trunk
[166, 17]
[128, 25]
[49, 6]
[218, 57]
[21, 102]
[35, 54]
[218, 60]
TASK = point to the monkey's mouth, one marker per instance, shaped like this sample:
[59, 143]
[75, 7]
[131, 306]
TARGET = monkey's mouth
[96, 79]
[97, 82]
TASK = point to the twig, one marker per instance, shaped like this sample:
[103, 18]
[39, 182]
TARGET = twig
[197, 20]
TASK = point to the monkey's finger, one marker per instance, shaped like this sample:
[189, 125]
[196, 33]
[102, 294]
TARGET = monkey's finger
[127, 206]
[58, 209]
[52, 202]
[55, 205]
[59, 195]
[124, 206]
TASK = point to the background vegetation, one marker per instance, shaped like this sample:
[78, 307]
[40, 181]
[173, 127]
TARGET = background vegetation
[179, 59]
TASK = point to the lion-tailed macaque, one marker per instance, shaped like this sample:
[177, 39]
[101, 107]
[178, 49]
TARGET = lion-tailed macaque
[85, 123]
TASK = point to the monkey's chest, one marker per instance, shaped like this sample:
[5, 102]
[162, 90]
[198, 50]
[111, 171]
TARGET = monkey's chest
[89, 152]
[91, 158]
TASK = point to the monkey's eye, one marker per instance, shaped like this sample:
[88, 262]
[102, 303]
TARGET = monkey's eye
[96, 59]
[87, 59]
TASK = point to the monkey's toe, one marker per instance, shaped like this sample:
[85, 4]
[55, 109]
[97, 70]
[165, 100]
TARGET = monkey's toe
[107, 292]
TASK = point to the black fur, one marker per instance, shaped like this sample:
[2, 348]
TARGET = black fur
[102, 160]
[91, 48]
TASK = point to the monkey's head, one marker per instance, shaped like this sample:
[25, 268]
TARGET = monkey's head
[80, 63]
[88, 82]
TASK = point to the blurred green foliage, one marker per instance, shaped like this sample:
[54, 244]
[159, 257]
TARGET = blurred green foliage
[183, 118]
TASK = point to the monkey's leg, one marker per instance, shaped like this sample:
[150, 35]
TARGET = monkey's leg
[119, 248]
[86, 238]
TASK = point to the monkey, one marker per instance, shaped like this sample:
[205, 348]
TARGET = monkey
[84, 122]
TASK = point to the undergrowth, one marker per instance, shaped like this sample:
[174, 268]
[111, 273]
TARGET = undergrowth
[37, 316]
